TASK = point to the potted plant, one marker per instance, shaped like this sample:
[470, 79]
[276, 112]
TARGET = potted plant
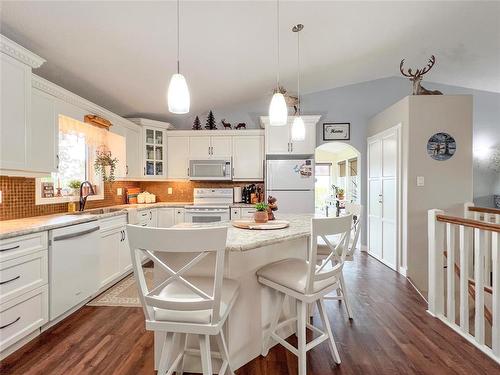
[74, 185]
[260, 215]
[340, 194]
[105, 165]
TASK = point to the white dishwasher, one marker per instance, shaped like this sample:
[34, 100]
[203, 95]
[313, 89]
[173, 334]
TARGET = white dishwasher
[73, 266]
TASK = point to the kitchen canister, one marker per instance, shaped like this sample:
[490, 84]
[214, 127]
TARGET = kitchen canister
[237, 194]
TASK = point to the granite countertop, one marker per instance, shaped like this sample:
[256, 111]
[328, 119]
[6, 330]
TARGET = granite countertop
[20, 227]
[246, 239]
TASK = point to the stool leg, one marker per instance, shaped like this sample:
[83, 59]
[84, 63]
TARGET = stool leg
[328, 330]
[166, 353]
[344, 296]
[274, 322]
[221, 343]
[206, 356]
[183, 343]
[301, 336]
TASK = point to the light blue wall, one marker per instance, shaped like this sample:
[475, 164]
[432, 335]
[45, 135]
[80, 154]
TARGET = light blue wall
[357, 103]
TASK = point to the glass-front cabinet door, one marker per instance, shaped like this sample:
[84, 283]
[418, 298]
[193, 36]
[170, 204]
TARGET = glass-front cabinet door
[154, 152]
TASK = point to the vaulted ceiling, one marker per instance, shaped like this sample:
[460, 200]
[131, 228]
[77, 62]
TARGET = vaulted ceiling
[121, 54]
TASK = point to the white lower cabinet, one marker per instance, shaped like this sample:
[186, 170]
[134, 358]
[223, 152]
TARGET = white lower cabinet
[24, 297]
[169, 216]
[23, 315]
[235, 213]
[242, 212]
[179, 215]
[114, 254]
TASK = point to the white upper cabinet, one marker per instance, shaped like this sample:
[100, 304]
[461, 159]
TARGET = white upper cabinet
[178, 157]
[279, 138]
[133, 144]
[44, 133]
[248, 158]
[210, 147]
[15, 102]
[199, 147]
[221, 147]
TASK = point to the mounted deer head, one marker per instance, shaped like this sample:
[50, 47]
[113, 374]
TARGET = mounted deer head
[416, 78]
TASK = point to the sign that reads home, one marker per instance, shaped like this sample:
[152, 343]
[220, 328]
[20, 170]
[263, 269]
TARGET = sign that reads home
[336, 131]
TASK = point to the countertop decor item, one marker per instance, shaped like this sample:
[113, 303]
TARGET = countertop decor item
[441, 146]
[271, 206]
[251, 224]
[260, 215]
[416, 78]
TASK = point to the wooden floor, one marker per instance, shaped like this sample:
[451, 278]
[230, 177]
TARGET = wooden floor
[391, 334]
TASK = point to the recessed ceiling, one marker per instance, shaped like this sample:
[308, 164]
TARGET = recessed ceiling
[121, 54]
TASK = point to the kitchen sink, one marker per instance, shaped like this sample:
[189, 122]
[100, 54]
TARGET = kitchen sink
[97, 211]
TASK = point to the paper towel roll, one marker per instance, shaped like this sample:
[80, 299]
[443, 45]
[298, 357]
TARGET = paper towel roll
[237, 194]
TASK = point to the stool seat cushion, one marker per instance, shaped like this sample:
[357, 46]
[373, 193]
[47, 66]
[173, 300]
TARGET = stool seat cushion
[178, 291]
[292, 273]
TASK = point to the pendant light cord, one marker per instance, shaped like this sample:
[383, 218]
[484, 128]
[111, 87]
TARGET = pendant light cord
[278, 43]
[298, 72]
[178, 37]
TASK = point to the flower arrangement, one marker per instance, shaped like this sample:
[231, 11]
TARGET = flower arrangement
[105, 165]
[261, 206]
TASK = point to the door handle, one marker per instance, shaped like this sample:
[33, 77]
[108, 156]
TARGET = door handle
[57, 156]
[10, 248]
[9, 324]
[188, 172]
[9, 281]
[77, 234]
[291, 146]
[126, 170]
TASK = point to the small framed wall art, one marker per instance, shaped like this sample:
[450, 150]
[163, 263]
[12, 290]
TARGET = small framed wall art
[441, 146]
[336, 131]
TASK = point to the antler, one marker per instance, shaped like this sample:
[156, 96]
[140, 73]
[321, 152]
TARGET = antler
[432, 60]
[409, 74]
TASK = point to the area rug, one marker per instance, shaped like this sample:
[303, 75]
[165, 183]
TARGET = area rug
[124, 293]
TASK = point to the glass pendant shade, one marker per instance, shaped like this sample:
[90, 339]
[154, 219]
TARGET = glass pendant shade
[278, 112]
[298, 129]
[178, 95]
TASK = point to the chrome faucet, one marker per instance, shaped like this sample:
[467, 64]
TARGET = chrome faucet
[83, 199]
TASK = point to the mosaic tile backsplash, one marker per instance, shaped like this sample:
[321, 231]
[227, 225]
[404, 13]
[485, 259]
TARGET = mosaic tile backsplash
[18, 195]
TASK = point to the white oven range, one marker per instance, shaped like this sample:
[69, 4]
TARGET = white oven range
[210, 206]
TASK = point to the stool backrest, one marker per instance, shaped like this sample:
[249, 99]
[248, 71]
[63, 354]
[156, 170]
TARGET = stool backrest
[357, 211]
[324, 228]
[154, 241]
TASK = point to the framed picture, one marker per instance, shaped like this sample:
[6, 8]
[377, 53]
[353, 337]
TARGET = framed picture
[336, 131]
[441, 146]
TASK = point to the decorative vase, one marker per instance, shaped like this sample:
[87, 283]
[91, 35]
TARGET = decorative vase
[260, 217]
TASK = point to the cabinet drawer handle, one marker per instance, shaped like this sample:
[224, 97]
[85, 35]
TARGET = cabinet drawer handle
[8, 281]
[10, 248]
[7, 325]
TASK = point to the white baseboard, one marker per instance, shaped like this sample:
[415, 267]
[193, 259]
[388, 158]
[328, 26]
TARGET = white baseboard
[364, 248]
[403, 271]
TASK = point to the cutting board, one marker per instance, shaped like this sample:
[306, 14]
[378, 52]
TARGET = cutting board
[251, 224]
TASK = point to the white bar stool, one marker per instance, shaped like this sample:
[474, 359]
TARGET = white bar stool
[307, 283]
[325, 249]
[182, 304]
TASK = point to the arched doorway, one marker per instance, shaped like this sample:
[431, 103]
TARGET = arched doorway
[337, 171]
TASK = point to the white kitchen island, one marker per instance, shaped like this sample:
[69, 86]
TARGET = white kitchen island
[247, 251]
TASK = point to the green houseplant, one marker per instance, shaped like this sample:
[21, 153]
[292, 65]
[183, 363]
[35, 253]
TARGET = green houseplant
[260, 215]
[340, 193]
[74, 185]
[105, 165]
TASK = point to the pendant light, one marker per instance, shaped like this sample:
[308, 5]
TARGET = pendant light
[178, 92]
[298, 127]
[278, 112]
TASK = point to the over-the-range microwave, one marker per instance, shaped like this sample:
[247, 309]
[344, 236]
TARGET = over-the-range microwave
[210, 169]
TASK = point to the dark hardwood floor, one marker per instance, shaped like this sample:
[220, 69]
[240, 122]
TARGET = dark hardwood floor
[391, 334]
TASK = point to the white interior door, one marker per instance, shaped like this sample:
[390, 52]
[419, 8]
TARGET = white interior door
[383, 182]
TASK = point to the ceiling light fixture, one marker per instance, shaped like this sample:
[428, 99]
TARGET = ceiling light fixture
[278, 112]
[298, 127]
[178, 93]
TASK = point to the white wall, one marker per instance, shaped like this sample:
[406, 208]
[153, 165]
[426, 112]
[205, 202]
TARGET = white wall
[357, 103]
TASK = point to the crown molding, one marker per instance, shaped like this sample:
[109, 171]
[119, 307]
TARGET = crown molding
[67, 96]
[148, 122]
[20, 53]
[308, 120]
